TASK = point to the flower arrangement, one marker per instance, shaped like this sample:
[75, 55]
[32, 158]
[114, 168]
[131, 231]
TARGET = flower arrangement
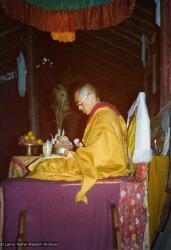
[61, 105]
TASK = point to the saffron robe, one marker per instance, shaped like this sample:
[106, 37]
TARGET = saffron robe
[103, 155]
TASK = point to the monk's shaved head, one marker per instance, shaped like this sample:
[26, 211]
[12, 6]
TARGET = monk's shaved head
[86, 89]
[86, 97]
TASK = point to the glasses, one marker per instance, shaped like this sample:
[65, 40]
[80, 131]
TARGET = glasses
[82, 100]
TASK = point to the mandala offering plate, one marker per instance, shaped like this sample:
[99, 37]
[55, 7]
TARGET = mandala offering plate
[30, 141]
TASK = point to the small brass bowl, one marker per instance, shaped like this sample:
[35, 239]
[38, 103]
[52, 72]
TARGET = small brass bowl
[61, 151]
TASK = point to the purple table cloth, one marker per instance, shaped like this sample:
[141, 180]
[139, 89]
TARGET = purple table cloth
[53, 217]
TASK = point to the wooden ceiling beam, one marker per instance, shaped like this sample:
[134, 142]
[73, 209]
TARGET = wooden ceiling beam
[144, 10]
[80, 55]
[141, 29]
[130, 33]
[4, 51]
[147, 14]
[95, 67]
[77, 60]
[119, 32]
[111, 70]
[93, 73]
[142, 21]
[9, 31]
[115, 79]
[113, 44]
[105, 57]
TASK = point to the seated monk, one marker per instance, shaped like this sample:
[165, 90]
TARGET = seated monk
[104, 151]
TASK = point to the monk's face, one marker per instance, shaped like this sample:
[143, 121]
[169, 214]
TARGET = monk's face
[84, 101]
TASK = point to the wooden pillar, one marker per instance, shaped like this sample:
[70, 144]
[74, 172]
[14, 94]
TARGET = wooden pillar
[32, 96]
[165, 93]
